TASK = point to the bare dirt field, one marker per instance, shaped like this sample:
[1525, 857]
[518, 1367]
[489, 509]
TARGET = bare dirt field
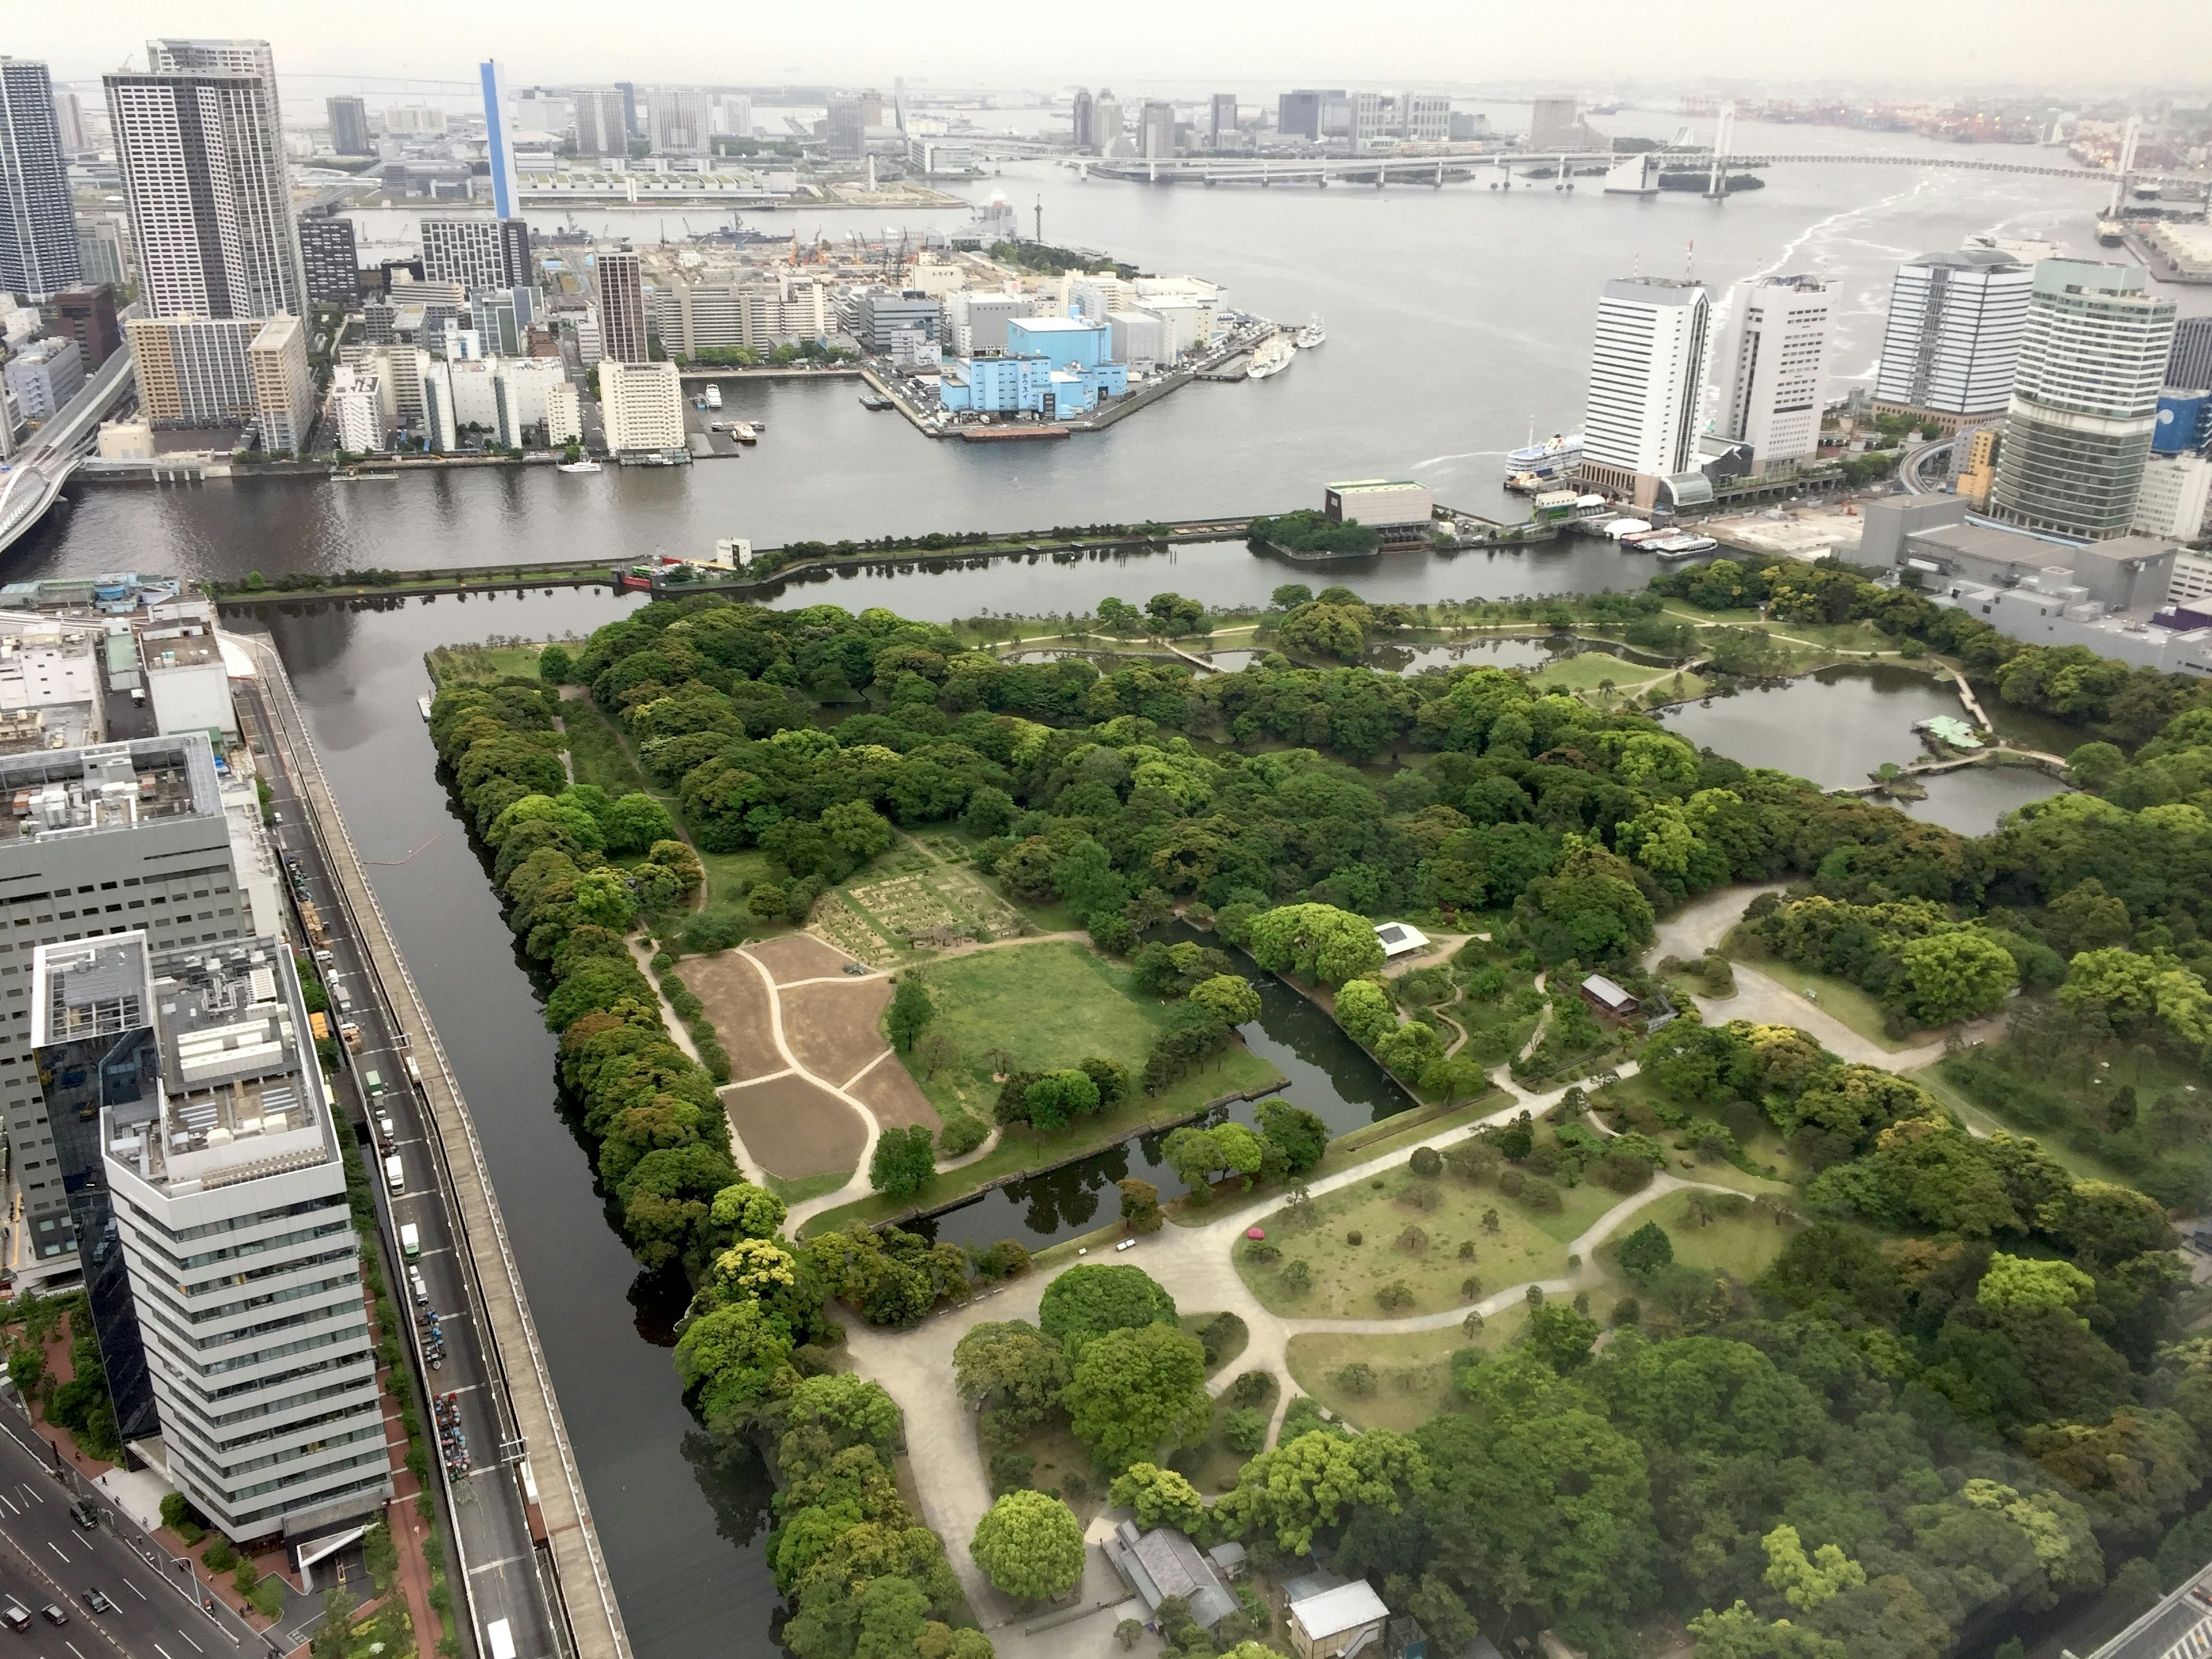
[798, 956]
[793, 1128]
[836, 1029]
[891, 1093]
[737, 1002]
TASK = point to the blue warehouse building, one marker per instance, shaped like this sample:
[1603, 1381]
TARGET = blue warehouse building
[1055, 367]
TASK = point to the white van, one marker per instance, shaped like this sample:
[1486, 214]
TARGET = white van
[395, 1174]
[411, 1241]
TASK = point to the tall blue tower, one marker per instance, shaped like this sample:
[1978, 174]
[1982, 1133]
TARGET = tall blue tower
[506, 195]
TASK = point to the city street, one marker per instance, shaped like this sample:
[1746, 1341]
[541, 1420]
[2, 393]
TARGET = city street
[496, 1553]
[47, 1558]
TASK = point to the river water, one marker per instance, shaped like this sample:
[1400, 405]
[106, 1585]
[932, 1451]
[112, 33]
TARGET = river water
[1458, 320]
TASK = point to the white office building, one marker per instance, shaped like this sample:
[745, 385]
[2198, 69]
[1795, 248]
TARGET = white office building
[2176, 496]
[201, 152]
[226, 1190]
[643, 405]
[43, 375]
[1952, 338]
[2084, 400]
[1647, 377]
[1770, 368]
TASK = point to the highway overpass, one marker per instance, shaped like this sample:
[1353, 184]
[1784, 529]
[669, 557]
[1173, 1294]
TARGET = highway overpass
[34, 478]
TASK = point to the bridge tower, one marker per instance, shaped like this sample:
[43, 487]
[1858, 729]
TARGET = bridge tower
[2126, 164]
[1724, 137]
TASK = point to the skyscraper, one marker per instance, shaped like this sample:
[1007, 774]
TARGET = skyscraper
[499, 142]
[1953, 337]
[1298, 114]
[2190, 366]
[203, 165]
[1221, 124]
[1081, 116]
[464, 249]
[68, 119]
[847, 126]
[1106, 121]
[1647, 375]
[38, 226]
[516, 268]
[225, 1192]
[678, 119]
[1156, 129]
[622, 306]
[2084, 400]
[601, 128]
[1770, 370]
[349, 126]
[333, 256]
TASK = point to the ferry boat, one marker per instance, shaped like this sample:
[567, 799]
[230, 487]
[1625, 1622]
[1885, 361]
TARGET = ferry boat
[1273, 357]
[578, 466]
[1311, 335]
[423, 703]
[1556, 455]
[743, 432]
[2112, 232]
[714, 396]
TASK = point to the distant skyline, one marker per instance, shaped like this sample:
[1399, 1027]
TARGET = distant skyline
[1897, 48]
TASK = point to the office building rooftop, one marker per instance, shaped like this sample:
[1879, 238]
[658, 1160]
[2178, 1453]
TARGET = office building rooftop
[239, 1085]
[115, 786]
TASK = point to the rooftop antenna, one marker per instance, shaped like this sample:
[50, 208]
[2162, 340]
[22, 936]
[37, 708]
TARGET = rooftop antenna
[1689, 258]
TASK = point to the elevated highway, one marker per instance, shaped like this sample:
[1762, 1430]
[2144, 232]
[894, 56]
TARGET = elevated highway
[35, 477]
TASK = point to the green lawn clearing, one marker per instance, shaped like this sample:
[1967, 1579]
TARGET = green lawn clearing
[1705, 1235]
[465, 665]
[1838, 999]
[596, 751]
[1409, 1377]
[1433, 1251]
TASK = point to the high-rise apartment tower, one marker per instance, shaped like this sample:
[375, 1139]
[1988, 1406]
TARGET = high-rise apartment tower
[202, 156]
[37, 225]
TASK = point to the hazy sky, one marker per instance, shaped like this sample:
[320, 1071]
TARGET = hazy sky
[1907, 46]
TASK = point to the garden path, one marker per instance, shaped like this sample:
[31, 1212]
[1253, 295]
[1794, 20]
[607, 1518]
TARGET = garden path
[1194, 1264]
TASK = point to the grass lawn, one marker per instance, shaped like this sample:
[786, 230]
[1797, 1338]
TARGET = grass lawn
[1742, 1247]
[2082, 1166]
[595, 749]
[1526, 1245]
[1411, 1373]
[807, 1186]
[463, 664]
[1212, 1466]
[1048, 1005]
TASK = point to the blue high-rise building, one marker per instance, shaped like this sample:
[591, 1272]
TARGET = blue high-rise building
[498, 141]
